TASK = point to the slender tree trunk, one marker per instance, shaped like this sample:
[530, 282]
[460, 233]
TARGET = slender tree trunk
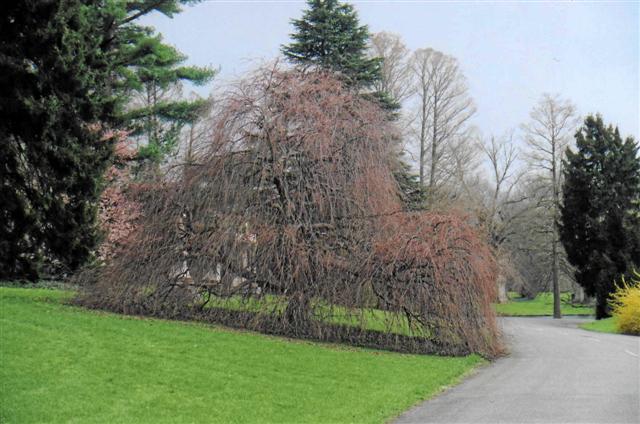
[556, 286]
[188, 159]
[557, 313]
[423, 135]
[434, 149]
[602, 311]
[548, 134]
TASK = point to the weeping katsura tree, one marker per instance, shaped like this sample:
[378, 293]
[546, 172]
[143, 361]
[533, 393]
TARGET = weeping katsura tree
[288, 221]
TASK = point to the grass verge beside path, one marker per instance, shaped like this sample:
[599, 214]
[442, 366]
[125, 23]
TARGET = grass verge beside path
[542, 305]
[67, 364]
[607, 325]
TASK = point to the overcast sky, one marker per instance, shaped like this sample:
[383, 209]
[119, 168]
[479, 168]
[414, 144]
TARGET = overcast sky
[510, 51]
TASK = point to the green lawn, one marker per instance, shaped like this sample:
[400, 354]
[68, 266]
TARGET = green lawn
[542, 305]
[607, 325]
[370, 319]
[67, 364]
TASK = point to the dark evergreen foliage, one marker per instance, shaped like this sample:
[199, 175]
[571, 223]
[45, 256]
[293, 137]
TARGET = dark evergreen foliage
[157, 113]
[67, 70]
[329, 36]
[600, 217]
[414, 194]
[52, 85]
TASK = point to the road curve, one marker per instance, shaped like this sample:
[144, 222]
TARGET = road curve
[555, 373]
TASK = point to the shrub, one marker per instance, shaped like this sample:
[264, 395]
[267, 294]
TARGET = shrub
[625, 302]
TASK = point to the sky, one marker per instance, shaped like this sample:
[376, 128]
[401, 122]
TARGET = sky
[511, 52]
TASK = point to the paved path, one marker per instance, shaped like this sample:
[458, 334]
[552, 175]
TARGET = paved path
[556, 373]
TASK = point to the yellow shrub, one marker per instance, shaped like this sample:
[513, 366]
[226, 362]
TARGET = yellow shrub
[626, 305]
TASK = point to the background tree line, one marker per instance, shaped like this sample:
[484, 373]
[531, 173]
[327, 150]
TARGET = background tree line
[518, 198]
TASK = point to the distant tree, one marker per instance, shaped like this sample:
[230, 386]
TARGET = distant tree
[529, 234]
[395, 76]
[444, 109]
[600, 226]
[494, 206]
[53, 90]
[329, 36]
[547, 135]
[393, 87]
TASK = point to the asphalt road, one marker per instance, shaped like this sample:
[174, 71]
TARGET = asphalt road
[555, 373]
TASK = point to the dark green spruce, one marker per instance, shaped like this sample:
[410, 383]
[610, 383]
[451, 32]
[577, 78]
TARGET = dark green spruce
[330, 36]
[600, 216]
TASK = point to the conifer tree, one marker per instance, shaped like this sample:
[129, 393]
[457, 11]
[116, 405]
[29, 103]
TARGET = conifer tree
[156, 110]
[330, 36]
[600, 224]
[53, 96]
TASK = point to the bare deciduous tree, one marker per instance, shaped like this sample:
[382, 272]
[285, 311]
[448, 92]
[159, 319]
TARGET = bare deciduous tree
[396, 75]
[529, 240]
[494, 199]
[551, 124]
[444, 109]
[502, 156]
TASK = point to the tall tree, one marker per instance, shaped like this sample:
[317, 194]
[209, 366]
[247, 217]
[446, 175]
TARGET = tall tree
[53, 96]
[67, 68]
[600, 223]
[547, 135]
[444, 109]
[329, 36]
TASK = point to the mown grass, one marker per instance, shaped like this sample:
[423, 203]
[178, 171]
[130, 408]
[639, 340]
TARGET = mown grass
[542, 305]
[67, 364]
[607, 325]
[369, 319]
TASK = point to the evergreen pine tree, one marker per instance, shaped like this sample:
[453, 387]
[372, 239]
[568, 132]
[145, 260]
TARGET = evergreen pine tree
[53, 93]
[600, 224]
[329, 36]
[157, 112]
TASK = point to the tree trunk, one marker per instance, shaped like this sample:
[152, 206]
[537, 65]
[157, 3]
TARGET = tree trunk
[556, 286]
[578, 293]
[557, 313]
[298, 312]
[434, 150]
[423, 138]
[602, 310]
[502, 289]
